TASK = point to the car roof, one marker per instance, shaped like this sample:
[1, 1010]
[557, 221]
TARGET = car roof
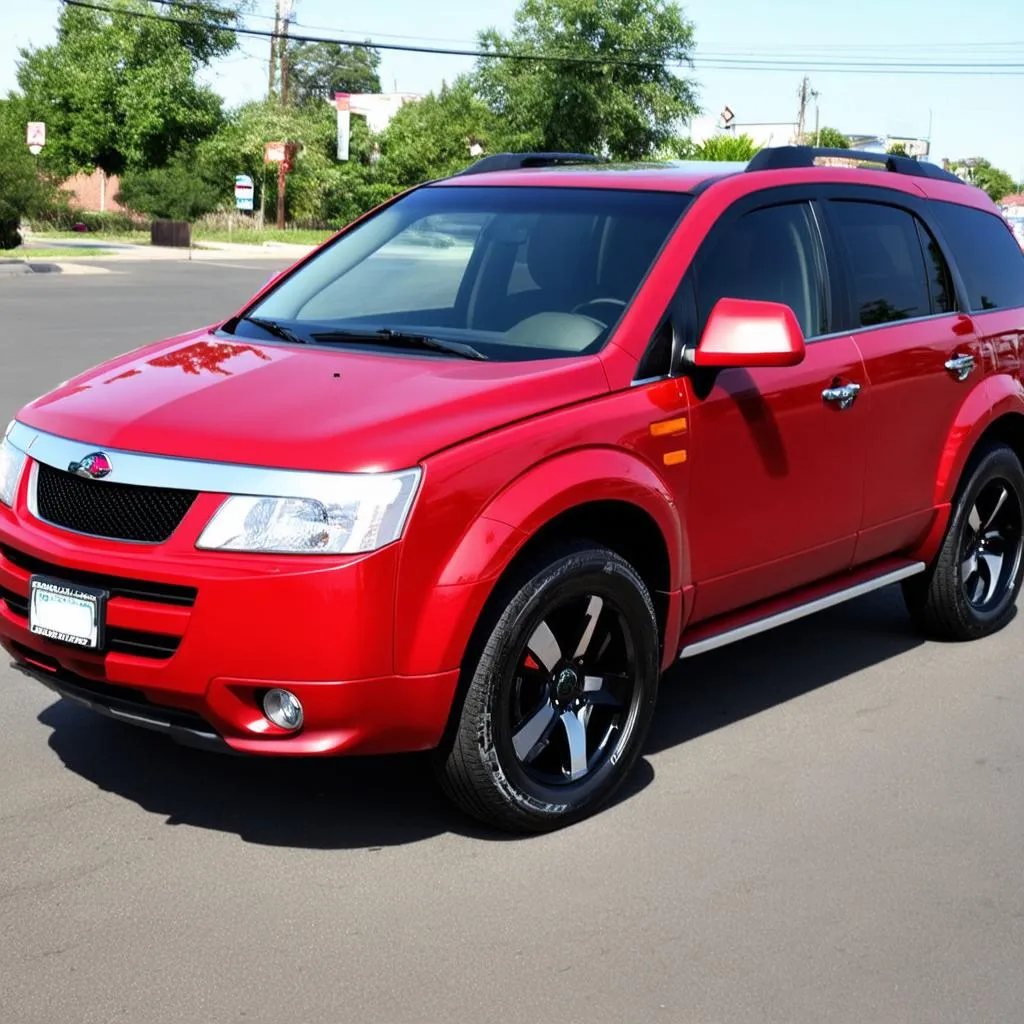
[770, 168]
[664, 176]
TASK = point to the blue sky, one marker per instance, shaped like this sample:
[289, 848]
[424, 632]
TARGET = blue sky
[971, 114]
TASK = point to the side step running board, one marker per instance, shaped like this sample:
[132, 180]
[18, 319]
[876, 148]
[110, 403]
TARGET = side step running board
[741, 630]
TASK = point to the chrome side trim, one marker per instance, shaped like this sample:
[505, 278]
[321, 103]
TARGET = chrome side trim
[732, 636]
[855, 331]
[183, 474]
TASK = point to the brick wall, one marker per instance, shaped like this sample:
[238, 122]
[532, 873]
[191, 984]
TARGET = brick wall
[93, 192]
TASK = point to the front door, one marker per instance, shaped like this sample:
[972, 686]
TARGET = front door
[777, 455]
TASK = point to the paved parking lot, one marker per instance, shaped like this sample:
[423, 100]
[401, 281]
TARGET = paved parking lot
[828, 825]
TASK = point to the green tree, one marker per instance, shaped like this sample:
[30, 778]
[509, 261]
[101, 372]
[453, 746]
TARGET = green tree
[316, 71]
[897, 149]
[727, 148]
[625, 102]
[24, 191]
[431, 138]
[118, 90]
[319, 188]
[828, 138]
[993, 180]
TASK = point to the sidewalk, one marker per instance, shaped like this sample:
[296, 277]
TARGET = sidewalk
[119, 251]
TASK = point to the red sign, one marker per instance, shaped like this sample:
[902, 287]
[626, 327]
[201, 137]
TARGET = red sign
[274, 152]
[280, 153]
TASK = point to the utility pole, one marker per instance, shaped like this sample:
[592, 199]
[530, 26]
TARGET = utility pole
[803, 92]
[273, 51]
[282, 19]
[278, 48]
[284, 15]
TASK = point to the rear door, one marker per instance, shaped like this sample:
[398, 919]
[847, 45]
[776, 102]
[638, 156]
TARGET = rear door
[777, 463]
[989, 266]
[920, 350]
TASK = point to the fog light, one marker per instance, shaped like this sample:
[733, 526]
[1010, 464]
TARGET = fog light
[283, 708]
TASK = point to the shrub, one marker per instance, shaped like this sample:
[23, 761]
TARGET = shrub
[175, 192]
[10, 236]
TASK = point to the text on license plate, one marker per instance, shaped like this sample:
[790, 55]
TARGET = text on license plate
[66, 613]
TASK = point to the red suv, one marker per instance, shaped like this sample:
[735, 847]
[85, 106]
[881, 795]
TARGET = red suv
[473, 474]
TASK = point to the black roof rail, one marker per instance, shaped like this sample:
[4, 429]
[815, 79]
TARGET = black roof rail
[516, 161]
[786, 157]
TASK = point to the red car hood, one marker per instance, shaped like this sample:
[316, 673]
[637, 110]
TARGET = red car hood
[204, 397]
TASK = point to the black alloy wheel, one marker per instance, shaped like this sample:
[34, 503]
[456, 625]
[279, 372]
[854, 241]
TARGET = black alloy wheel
[559, 693]
[970, 590]
[575, 691]
[990, 550]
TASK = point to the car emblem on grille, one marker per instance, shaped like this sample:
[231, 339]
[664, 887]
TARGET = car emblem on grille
[94, 466]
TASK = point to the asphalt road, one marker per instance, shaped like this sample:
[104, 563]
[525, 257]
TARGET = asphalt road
[827, 826]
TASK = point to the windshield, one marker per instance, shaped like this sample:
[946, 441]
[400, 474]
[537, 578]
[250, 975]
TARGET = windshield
[517, 273]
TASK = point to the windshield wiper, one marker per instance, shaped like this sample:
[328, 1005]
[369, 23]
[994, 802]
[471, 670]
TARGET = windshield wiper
[388, 336]
[276, 329]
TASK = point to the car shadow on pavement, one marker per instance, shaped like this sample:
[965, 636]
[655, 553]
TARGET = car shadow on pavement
[376, 802]
[727, 685]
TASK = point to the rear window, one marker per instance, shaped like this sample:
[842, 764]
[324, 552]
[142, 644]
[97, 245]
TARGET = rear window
[518, 273]
[988, 256]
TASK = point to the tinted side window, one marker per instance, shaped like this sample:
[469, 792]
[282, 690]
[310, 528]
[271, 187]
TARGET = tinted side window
[988, 256]
[770, 254]
[883, 253]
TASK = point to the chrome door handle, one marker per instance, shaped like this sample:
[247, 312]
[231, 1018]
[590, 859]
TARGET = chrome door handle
[844, 396]
[961, 366]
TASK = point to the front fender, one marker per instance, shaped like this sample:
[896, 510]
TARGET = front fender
[439, 632]
[576, 478]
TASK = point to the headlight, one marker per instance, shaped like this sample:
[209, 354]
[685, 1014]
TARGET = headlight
[12, 462]
[358, 512]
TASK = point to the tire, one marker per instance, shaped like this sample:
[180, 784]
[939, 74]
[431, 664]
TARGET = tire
[970, 590]
[526, 755]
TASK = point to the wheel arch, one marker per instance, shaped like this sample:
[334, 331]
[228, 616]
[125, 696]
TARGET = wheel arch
[607, 496]
[626, 528]
[993, 411]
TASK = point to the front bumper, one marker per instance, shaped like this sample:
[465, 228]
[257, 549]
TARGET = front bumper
[194, 638]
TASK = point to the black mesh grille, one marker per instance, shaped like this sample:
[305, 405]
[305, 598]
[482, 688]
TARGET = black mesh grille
[118, 586]
[118, 511]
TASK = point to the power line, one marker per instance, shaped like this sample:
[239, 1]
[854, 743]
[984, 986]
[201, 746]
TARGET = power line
[403, 47]
[821, 65]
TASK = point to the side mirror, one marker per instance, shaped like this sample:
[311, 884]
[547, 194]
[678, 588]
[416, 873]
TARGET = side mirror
[750, 333]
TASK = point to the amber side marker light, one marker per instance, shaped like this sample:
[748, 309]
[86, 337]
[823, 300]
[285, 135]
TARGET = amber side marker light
[666, 427]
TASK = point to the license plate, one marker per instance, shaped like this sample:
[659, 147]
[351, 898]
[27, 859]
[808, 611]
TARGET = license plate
[66, 613]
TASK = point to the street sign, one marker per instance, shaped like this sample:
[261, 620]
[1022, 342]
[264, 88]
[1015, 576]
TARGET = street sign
[243, 192]
[35, 136]
[274, 153]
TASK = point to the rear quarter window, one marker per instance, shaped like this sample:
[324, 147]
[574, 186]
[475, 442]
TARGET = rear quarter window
[989, 258]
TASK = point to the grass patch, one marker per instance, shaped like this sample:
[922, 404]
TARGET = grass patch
[52, 254]
[250, 236]
[243, 236]
[129, 237]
